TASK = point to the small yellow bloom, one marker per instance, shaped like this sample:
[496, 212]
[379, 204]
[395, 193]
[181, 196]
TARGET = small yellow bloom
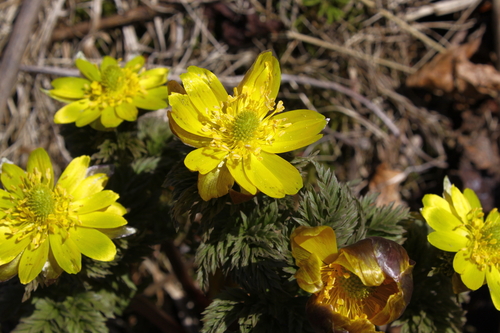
[239, 136]
[109, 95]
[45, 228]
[459, 226]
[361, 285]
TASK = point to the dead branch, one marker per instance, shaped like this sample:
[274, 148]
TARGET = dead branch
[15, 49]
[138, 14]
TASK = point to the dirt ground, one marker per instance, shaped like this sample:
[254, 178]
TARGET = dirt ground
[410, 86]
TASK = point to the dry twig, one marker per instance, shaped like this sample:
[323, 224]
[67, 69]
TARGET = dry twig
[139, 14]
[14, 50]
[348, 51]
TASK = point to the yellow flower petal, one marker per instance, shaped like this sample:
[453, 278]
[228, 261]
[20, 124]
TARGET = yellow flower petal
[188, 138]
[57, 97]
[440, 219]
[236, 169]
[470, 274]
[40, 160]
[493, 216]
[460, 203]
[88, 116]
[12, 178]
[263, 178]
[153, 78]
[471, 196]
[186, 115]
[95, 202]
[102, 220]
[71, 112]
[394, 307]
[88, 69]
[200, 91]
[74, 173]
[109, 118]
[70, 87]
[304, 129]
[309, 274]
[136, 63]
[90, 186]
[11, 247]
[493, 279]
[432, 200]
[158, 92]
[319, 240]
[32, 262]
[52, 270]
[9, 270]
[108, 61]
[215, 184]
[149, 103]
[273, 175]
[5, 201]
[211, 81]
[204, 159]
[94, 244]
[263, 78]
[361, 259]
[67, 255]
[116, 208]
[127, 112]
[448, 241]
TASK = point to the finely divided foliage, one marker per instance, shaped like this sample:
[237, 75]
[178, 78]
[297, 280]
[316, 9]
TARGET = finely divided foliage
[253, 251]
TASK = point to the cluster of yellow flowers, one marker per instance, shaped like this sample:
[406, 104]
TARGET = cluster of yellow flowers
[45, 226]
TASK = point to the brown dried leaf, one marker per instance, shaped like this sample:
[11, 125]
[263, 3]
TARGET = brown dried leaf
[452, 72]
[439, 73]
[386, 181]
[484, 78]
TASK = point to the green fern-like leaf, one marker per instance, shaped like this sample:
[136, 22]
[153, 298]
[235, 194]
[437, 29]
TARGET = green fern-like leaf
[383, 221]
[333, 204]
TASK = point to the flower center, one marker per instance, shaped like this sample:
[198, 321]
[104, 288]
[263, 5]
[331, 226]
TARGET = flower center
[245, 126]
[485, 238]
[118, 85]
[354, 287]
[39, 210]
[113, 78]
[236, 127]
[40, 202]
[349, 296]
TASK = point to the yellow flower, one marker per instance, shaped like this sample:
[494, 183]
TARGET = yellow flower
[45, 228]
[239, 136]
[459, 226]
[109, 95]
[361, 285]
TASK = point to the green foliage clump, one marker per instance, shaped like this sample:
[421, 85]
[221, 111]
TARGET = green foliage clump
[250, 247]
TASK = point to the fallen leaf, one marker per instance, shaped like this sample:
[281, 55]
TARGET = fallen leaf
[386, 181]
[453, 72]
[439, 72]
